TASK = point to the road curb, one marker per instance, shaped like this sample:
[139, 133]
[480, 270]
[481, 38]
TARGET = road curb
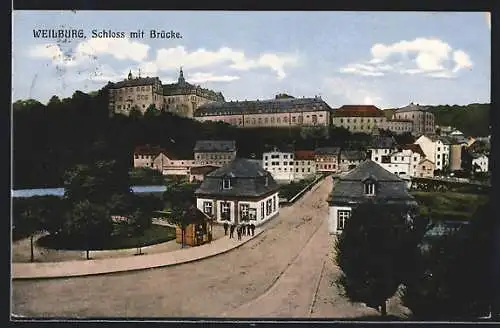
[139, 269]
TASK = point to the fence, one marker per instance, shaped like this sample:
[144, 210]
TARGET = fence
[302, 192]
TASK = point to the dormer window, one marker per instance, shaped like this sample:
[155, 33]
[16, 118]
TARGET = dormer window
[369, 188]
[226, 183]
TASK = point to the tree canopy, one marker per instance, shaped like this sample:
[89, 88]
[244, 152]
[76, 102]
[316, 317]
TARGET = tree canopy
[375, 252]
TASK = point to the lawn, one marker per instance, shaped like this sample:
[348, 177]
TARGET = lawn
[153, 235]
[288, 191]
[449, 205]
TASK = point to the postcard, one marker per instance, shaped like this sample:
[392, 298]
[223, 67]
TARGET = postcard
[259, 165]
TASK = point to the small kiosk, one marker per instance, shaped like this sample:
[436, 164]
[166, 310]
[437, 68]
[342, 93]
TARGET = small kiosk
[199, 229]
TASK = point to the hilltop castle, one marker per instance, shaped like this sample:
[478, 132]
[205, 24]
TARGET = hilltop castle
[181, 98]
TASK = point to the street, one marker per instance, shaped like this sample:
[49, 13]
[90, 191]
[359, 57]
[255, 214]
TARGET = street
[284, 272]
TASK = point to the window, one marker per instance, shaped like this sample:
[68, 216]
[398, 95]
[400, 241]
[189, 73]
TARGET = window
[370, 189]
[285, 156]
[290, 163]
[269, 206]
[438, 156]
[414, 158]
[244, 211]
[314, 119]
[376, 159]
[439, 148]
[136, 156]
[342, 216]
[262, 210]
[207, 208]
[297, 170]
[224, 211]
[226, 183]
[274, 203]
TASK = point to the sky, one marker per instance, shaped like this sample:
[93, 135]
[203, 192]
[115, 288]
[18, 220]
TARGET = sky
[386, 59]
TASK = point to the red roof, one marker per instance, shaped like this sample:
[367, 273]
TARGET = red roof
[359, 111]
[304, 155]
[148, 150]
[414, 148]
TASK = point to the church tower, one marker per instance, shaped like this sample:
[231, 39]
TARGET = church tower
[130, 75]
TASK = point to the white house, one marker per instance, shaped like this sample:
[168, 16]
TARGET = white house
[480, 163]
[381, 146]
[170, 165]
[240, 190]
[349, 159]
[435, 150]
[368, 181]
[404, 162]
[280, 163]
[144, 155]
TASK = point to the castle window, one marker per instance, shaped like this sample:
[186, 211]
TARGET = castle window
[138, 88]
[369, 188]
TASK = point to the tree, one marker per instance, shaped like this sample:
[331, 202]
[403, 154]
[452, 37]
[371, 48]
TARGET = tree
[32, 222]
[453, 280]
[135, 113]
[88, 223]
[375, 252]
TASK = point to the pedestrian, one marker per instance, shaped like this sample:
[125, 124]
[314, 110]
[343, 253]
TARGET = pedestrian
[231, 231]
[238, 231]
[242, 228]
[226, 226]
[249, 227]
[252, 226]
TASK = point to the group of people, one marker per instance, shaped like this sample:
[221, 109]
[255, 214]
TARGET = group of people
[242, 229]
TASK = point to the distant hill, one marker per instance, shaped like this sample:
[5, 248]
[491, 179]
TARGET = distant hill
[473, 119]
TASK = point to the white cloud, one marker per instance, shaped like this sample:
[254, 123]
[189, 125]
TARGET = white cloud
[118, 48]
[173, 58]
[425, 56]
[210, 77]
[339, 91]
[462, 60]
[87, 56]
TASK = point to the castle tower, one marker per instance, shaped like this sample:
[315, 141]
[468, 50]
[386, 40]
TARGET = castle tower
[181, 79]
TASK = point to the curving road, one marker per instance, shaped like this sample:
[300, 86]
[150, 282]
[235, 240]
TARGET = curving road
[275, 275]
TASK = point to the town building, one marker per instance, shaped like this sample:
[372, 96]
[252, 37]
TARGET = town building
[480, 162]
[239, 191]
[144, 156]
[455, 145]
[425, 168]
[359, 118]
[214, 152]
[368, 119]
[181, 98]
[327, 159]
[404, 161]
[280, 163]
[197, 173]
[398, 126]
[169, 164]
[368, 181]
[435, 150]
[381, 146]
[422, 118]
[349, 159]
[279, 112]
[305, 164]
